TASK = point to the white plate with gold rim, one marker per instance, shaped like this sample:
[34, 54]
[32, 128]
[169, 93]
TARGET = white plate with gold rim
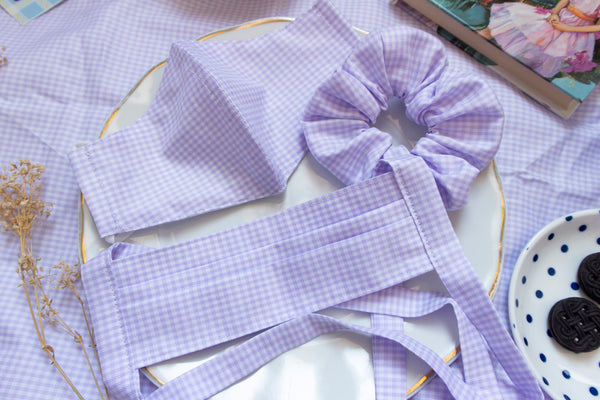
[334, 365]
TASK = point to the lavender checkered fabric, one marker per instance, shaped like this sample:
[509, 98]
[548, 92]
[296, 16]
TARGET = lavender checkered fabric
[328, 251]
[389, 358]
[463, 118]
[339, 131]
[69, 68]
[277, 271]
[223, 129]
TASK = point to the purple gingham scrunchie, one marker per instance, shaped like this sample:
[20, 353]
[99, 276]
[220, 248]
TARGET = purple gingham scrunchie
[463, 117]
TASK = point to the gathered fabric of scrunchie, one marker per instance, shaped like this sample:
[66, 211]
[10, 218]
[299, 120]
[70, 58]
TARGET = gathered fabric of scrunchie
[223, 129]
[351, 248]
[463, 118]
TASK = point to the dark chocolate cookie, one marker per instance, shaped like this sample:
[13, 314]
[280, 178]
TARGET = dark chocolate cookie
[574, 323]
[588, 276]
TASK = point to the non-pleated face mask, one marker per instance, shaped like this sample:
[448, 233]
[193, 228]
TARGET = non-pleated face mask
[223, 129]
[351, 249]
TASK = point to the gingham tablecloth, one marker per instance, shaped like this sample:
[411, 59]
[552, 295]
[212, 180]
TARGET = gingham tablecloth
[68, 68]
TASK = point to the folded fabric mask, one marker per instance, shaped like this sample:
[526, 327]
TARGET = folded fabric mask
[223, 129]
[341, 249]
[352, 248]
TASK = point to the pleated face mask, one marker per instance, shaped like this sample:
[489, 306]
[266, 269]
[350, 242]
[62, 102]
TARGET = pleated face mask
[223, 129]
[352, 249]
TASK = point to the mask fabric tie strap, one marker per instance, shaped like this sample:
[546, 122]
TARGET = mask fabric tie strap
[459, 278]
[223, 129]
[229, 367]
[464, 125]
[236, 363]
[191, 296]
[389, 359]
[398, 301]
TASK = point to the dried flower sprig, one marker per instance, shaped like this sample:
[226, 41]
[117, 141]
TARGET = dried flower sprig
[21, 211]
[3, 59]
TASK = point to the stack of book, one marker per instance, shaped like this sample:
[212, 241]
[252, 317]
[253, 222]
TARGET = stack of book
[546, 48]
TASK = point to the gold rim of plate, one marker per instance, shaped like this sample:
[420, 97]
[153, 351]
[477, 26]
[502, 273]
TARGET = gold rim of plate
[117, 109]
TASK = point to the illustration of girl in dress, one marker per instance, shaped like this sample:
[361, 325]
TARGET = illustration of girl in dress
[548, 41]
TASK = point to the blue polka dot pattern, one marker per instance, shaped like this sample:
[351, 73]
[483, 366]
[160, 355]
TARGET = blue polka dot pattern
[545, 274]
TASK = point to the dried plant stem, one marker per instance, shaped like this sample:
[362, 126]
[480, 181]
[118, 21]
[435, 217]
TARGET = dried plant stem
[59, 323]
[87, 359]
[93, 345]
[3, 60]
[78, 339]
[39, 328]
[21, 211]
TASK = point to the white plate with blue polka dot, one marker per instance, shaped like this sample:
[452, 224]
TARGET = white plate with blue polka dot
[545, 273]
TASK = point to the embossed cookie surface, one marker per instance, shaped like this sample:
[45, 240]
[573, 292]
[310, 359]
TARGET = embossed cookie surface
[574, 323]
[588, 276]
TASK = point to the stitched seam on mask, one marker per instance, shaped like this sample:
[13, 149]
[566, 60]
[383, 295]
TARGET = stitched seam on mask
[237, 201]
[416, 218]
[311, 203]
[119, 317]
[226, 101]
[100, 184]
[244, 256]
[331, 18]
[313, 306]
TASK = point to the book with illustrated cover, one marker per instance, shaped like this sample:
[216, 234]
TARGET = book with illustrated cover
[549, 49]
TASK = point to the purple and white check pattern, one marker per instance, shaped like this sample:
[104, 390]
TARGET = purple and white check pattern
[223, 129]
[69, 68]
[389, 359]
[243, 280]
[463, 118]
[344, 246]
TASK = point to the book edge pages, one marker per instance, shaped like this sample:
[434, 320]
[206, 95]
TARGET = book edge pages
[525, 79]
